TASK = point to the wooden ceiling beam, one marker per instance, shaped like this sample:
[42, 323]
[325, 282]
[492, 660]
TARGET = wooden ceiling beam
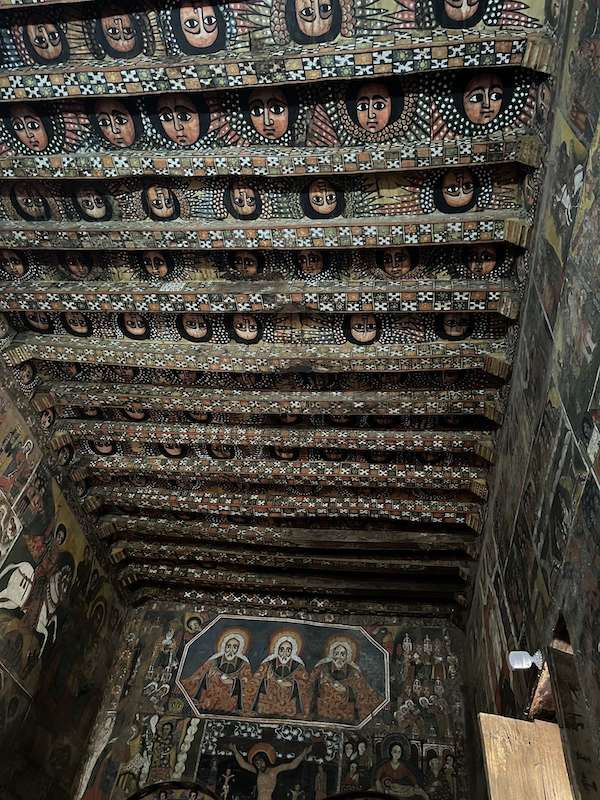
[268, 557]
[379, 585]
[171, 398]
[462, 441]
[426, 296]
[260, 358]
[195, 234]
[225, 533]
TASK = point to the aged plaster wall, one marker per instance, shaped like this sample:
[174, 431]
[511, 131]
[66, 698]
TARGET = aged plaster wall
[176, 706]
[57, 612]
[540, 551]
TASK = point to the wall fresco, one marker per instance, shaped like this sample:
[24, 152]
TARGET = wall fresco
[56, 611]
[537, 571]
[413, 746]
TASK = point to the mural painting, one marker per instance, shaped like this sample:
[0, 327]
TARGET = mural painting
[283, 709]
[51, 591]
[284, 680]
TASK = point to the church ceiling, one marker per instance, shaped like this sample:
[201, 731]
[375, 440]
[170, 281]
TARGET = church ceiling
[262, 267]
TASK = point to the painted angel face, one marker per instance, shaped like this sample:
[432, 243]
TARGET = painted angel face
[103, 446]
[246, 327]
[544, 101]
[314, 17]
[269, 112]
[38, 320]
[198, 23]
[285, 453]
[458, 186]
[30, 200]
[396, 261]
[194, 325]
[28, 127]
[77, 265]
[118, 29]
[179, 117]
[127, 373]
[482, 98]
[154, 263]
[12, 263]
[461, 10]
[246, 263]
[45, 38]
[26, 371]
[134, 323]
[363, 327]
[373, 107]
[243, 199]
[481, 259]
[161, 201]
[76, 322]
[455, 325]
[115, 122]
[91, 201]
[310, 262]
[47, 418]
[322, 196]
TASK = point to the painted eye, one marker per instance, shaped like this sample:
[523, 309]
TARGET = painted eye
[476, 97]
[362, 106]
[18, 125]
[191, 24]
[330, 198]
[54, 37]
[112, 31]
[468, 186]
[121, 120]
[166, 116]
[308, 14]
[128, 32]
[277, 109]
[184, 116]
[379, 105]
[325, 8]
[104, 122]
[210, 21]
[496, 95]
[40, 41]
[257, 111]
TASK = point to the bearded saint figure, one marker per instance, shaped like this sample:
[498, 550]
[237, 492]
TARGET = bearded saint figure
[281, 681]
[220, 684]
[340, 692]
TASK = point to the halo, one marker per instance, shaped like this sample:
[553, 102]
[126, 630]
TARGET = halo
[286, 633]
[262, 747]
[342, 638]
[238, 632]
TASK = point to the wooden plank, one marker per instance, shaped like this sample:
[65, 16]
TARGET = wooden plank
[523, 760]
[572, 714]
